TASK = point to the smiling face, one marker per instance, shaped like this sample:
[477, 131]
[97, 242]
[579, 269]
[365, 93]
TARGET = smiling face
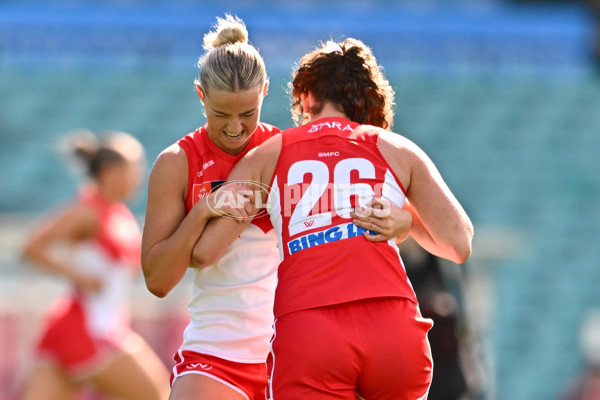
[232, 117]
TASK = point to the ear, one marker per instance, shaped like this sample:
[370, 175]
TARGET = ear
[265, 89]
[306, 102]
[200, 92]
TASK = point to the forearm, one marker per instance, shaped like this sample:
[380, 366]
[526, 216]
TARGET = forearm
[231, 221]
[207, 251]
[419, 232]
[40, 259]
[218, 236]
[165, 263]
[445, 243]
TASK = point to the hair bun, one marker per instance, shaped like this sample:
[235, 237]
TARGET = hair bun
[82, 143]
[228, 30]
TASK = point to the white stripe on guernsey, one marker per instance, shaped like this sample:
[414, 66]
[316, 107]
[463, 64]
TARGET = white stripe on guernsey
[216, 379]
[274, 207]
[391, 190]
[270, 382]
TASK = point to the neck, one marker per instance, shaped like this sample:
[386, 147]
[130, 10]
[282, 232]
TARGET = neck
[105, 192]
[328, 111]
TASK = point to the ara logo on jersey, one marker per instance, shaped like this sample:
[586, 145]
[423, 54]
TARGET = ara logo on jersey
[201, 190]
[333, 234]
[331, 125]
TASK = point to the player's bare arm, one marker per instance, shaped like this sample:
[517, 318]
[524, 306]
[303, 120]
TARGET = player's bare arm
[74, 224]
[169, 235]
[259, 164]
[442, 227]
[255, 167]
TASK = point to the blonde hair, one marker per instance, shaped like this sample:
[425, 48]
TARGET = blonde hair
[230, 63]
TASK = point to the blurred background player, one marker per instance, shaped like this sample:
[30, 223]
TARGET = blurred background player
[94, 243]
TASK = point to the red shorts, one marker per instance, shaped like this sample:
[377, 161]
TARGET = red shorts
[377, 348]
[67, 340]
[250, 380]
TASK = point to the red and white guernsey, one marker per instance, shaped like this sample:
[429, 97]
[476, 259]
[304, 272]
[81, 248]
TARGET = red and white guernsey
[323, 169]
[90, 321]
[232, 302]
[114, 257]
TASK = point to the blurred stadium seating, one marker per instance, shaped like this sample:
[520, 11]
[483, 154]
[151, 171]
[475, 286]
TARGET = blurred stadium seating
[503, 98]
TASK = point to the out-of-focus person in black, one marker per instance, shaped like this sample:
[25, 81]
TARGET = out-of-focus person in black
[457, 374]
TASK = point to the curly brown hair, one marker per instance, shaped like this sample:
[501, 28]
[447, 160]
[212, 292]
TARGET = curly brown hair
[347, 75]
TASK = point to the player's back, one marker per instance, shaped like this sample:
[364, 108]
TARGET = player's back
[324, 169]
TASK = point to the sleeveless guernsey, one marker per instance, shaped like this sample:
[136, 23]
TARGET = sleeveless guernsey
[82, 330]
[114, 256]
[324, 168]
[232, 301]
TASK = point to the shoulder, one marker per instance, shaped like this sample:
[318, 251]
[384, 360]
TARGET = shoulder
[170, 168]
[296, 130]
[270, 148]
[173, 156]
[295, 134]
[193, 136]
[403, 155]
[388, 141]
[84, 211]
[258, 164]
[268, 128]
[81, 219]
[193, 142]
[263, 133]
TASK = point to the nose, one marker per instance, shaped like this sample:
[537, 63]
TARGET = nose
[234, 126]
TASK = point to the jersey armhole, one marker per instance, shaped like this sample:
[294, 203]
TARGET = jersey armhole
[187, 146]
[389, 167]
[395, 177]
[276, 165]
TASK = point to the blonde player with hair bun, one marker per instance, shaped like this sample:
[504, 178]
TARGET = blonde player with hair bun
[226, 343]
